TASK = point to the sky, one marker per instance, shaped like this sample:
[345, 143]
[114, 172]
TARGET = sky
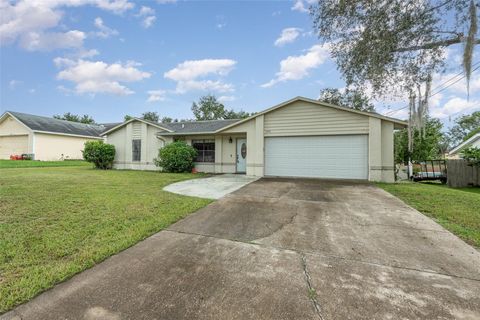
[109, 58]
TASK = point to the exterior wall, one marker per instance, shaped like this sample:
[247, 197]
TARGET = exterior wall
[388, 161]
[13, 145]
[122, 140]
[50, 147]
[303, 118]
[15, 138]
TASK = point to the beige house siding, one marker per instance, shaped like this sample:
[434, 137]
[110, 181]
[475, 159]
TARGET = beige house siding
[15, 138]
[51, 147]
[303, 118]
[122, 140]
[13, 145]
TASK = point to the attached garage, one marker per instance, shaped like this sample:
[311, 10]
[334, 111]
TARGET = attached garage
[337, 157]
[13, 145]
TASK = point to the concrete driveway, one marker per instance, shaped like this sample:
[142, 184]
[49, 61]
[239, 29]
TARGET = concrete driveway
[282, 249]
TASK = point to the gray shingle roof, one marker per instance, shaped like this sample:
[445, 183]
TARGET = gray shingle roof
[39, 123]
[208, 126]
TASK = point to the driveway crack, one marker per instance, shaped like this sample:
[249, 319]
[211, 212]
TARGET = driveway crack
[312, 294]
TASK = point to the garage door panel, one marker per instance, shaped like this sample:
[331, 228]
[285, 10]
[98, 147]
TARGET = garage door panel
[13, 145]
[343, 157]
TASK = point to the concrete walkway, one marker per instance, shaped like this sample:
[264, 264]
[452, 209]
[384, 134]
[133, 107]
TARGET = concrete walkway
[211, 188]
[281, 249]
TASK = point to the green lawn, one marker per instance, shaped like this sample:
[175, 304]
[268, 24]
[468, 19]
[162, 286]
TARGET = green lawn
[456, 209]
[33, 163]
[55, 222]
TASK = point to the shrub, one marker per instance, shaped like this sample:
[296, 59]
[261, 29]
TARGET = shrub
[99, 153]
[472, 155]
[176, 157]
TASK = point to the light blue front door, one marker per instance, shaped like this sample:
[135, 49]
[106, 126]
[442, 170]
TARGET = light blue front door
[241, 155]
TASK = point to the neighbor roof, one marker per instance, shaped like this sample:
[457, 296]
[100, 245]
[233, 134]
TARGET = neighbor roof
[400, 123]
[56, 126]
[465, 143]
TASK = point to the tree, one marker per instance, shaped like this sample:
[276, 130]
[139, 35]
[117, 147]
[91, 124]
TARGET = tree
[75, 118]
[429, 144]
[397, 43]
[167, 120]
[208, 108]
[354, 99]
[232, 114]
[465, 127]
[127, 117]
[151, 116]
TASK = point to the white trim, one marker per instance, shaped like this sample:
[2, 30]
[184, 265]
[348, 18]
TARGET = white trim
[465, 143]
[14, 135]
[131, 120]
[67, 134]
[320, 103]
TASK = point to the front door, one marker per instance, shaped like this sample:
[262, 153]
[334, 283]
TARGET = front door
[241, 155]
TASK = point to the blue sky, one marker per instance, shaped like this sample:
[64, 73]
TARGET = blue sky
[108, 58]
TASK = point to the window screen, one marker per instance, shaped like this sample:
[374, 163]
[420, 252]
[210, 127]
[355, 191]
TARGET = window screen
[136, 150]
[205, 150]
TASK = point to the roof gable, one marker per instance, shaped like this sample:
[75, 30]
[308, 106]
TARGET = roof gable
[465, 143]
[398, 122]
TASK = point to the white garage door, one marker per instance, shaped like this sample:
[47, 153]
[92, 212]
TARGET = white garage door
[338, 157]
[13, 145]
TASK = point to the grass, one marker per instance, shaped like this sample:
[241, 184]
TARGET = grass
[32, 163]
[56, 222]
[456, 209]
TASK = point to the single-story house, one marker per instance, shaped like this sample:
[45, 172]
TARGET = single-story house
[297, 138]
[44, 138]
[473, 141]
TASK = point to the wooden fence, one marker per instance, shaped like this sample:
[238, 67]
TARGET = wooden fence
[461, 174]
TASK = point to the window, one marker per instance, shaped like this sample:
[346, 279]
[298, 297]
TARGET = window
[205, 150]
[136, 150]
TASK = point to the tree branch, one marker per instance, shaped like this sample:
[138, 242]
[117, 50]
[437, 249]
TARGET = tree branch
[433, 45]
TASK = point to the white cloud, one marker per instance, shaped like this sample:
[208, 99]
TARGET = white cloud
[148, 16]
[103, 31]
[12, 84]
[187, 75]
[302, 5]
[453, 107]
[25, 20]
[226, 98]
[98, 76]
[40, 41]
[156, 95]
[145, 11]
[298, 67]
[288, 35]
[166, 1]
[460, 87]
[148, 21]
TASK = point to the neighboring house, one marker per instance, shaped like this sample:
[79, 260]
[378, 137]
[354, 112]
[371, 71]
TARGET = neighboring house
[45, 138]
[473, 141]
[297, 138]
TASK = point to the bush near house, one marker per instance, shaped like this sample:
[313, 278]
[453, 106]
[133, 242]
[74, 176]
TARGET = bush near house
[176, 157]
[472, 155]
[99, 153]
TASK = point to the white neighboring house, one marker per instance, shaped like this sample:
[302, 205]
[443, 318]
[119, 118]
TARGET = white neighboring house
[473, 141]
[297, 138]
[45, 138]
